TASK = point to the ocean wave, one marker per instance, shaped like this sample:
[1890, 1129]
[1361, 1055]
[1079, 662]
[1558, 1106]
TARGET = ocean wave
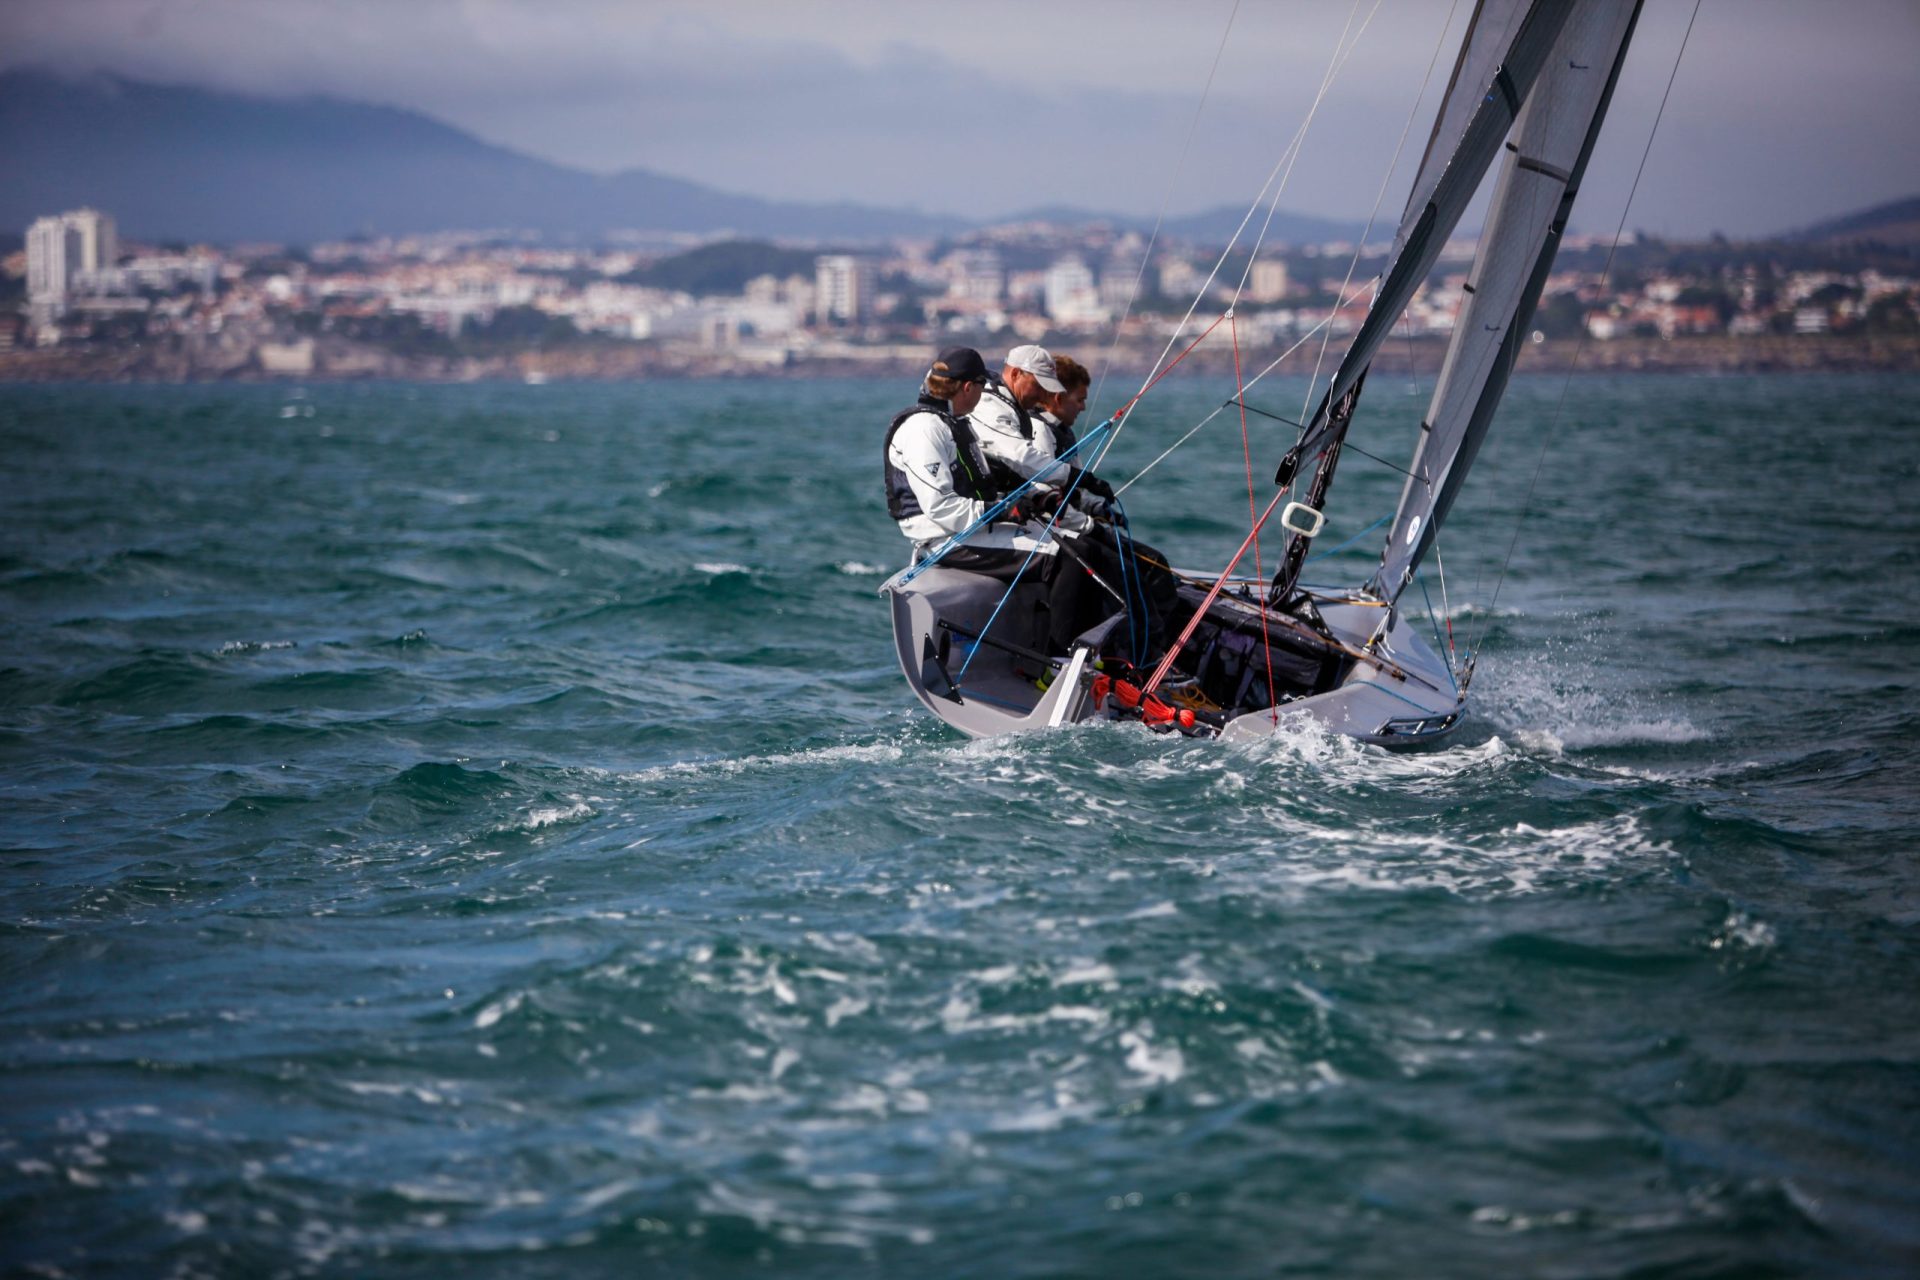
[1596, 736]
[235, 647]
[849, 753]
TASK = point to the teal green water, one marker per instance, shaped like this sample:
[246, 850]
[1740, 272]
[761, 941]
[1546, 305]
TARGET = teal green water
[482, 829]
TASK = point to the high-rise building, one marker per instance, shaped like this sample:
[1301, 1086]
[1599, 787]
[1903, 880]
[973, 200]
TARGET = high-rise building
[1268, 281]
[52, 256]
[63, 248]
[975, 275]
[843, 288]
[1071, 295]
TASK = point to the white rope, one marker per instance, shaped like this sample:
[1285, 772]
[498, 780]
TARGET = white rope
[1246, 386]
[1386, 178]
[1335, 65]
[1287, 159]
[1146, 255]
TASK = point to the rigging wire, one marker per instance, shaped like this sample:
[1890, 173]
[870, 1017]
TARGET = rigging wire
[1385, 179]
[1342, 299]
[1269, 368]
[1341, 55]
[1146, 255]
[1606, 271]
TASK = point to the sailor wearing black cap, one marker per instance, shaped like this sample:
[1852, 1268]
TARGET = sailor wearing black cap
[938, 480]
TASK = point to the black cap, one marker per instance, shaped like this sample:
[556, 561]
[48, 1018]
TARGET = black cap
[963, 364]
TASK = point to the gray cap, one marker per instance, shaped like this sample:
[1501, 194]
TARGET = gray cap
[1036, 361]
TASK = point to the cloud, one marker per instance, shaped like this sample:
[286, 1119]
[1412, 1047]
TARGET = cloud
[1003, 104]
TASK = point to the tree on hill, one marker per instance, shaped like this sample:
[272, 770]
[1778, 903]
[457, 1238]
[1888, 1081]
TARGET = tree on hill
[723, 267]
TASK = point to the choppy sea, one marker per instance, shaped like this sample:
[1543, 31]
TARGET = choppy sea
[481, 830]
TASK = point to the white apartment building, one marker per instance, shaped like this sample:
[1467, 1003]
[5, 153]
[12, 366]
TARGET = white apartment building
[975, 275]
[1072, 298]
[843, 287]
[63, 249]
[1267, 282]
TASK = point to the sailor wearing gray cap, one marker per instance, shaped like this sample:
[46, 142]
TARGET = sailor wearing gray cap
[1004, 423]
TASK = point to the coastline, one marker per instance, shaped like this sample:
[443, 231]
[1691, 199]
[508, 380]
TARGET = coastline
[341, 362]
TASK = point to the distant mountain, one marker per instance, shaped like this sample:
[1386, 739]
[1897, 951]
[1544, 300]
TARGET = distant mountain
[180, 163]
[1897, 223]
[192, 164]
[1212, 226]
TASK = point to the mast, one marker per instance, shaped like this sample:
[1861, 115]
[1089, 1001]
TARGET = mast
[1490, 101]
[1546, 158]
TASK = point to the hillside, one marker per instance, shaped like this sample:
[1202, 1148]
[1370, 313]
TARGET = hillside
[1896, 223]
[183, 163]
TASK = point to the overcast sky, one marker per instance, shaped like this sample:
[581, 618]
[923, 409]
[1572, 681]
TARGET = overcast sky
[1784, 112]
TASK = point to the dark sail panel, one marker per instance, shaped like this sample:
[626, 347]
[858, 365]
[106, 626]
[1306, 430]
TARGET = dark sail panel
[1548, 152]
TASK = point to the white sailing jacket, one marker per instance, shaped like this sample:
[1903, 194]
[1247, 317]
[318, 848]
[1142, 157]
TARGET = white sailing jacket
[1022, 443]
[924, 450]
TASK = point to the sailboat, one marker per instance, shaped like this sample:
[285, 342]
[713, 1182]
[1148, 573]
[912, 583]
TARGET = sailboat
[1530, 87]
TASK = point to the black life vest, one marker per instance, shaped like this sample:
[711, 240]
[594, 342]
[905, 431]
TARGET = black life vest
[1063, 438]
[1004, 394]
[969, 471]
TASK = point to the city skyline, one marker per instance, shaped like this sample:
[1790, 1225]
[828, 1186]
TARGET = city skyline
[889, 105]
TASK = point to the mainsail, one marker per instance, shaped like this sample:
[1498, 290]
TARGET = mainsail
[1490, 33]
[1546, 158]
[1493, 78]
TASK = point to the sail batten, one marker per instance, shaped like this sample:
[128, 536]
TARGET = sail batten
[1546, 157]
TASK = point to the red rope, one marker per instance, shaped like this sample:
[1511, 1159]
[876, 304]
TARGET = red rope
[1193, 623]
[1141, 394]
[1246, 452]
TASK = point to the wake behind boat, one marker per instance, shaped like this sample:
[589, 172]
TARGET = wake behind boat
[1532, 81]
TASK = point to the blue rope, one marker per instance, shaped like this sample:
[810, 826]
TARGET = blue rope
[994, 512]
[1046, 533]
[1334, 551]
[1138, 632]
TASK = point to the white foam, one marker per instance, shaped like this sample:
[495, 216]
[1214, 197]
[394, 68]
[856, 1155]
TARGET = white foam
[1159, 1065]
[547, 817]
[860, 569]
[869, 753]
[252, 646]
[492, 1013]
[845, 1007]
[717, 567]
[1741, 932]
[1553, 707]
[1086, 971]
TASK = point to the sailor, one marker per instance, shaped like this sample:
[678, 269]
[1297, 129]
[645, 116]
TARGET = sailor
[939, 483]
[1148, 587]
[1004, 417]
[1053, 420]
